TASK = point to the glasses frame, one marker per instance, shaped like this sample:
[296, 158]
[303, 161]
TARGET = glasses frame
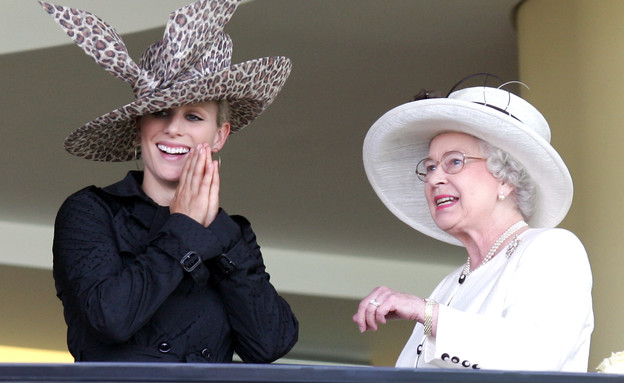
[423, 176]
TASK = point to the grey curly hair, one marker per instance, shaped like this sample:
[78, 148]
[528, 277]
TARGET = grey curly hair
[506, 169]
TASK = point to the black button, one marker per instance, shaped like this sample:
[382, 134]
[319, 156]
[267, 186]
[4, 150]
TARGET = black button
[455, 359]
[164, 347]
[476, 366]
[419, 349]
[445, 356]
[466, 363]
[206, 353]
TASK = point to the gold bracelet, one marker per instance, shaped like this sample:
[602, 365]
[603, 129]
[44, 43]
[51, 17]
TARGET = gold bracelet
[429, 303]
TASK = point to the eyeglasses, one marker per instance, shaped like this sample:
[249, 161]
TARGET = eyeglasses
[452, 163]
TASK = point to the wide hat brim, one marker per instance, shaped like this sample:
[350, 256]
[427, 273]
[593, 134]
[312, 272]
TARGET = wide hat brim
[400, 138]
[250, 87]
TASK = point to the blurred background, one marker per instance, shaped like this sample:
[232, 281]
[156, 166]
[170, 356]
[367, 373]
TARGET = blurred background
[296, 173]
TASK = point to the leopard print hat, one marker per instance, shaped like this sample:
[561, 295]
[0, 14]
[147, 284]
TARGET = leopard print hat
[191, 64]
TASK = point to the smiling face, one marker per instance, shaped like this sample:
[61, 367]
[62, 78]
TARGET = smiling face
[466, 200]
[168, 136]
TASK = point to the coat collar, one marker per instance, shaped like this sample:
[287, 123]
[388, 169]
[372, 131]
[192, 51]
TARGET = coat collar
[130, 186]
[141, 208]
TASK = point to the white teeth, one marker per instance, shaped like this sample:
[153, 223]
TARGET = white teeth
[445, 200]
[177, 150]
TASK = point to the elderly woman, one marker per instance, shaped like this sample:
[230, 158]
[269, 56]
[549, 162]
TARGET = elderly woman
[151, 269]
[476, 170]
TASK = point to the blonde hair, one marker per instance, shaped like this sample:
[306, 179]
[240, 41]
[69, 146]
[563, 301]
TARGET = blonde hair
[223, 111]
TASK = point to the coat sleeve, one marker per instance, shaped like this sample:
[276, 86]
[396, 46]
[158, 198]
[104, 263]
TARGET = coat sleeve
[115, 291]
[263, 324]
[546, 321]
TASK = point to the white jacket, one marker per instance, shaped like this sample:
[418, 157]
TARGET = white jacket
[531, 311]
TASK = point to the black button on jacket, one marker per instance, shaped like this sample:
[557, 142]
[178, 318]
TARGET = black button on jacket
[124, 270]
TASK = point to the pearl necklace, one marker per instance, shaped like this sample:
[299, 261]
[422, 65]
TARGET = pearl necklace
[515, 227]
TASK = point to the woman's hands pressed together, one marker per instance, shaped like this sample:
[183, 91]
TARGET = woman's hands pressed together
[197, 194]
[384, 304]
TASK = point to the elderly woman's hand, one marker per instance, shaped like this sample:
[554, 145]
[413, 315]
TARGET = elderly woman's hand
[197, 194]
[383, 304]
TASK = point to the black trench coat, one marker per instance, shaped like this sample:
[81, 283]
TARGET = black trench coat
[139, 284]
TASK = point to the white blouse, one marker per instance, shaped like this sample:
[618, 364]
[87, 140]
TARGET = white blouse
[529, 311]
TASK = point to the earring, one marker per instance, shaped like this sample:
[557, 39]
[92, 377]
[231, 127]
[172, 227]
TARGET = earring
[501, 196]
[216, 151]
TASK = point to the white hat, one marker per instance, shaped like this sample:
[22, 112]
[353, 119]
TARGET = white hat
[400, 138]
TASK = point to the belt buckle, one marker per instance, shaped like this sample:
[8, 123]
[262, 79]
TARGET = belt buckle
[190, 261]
